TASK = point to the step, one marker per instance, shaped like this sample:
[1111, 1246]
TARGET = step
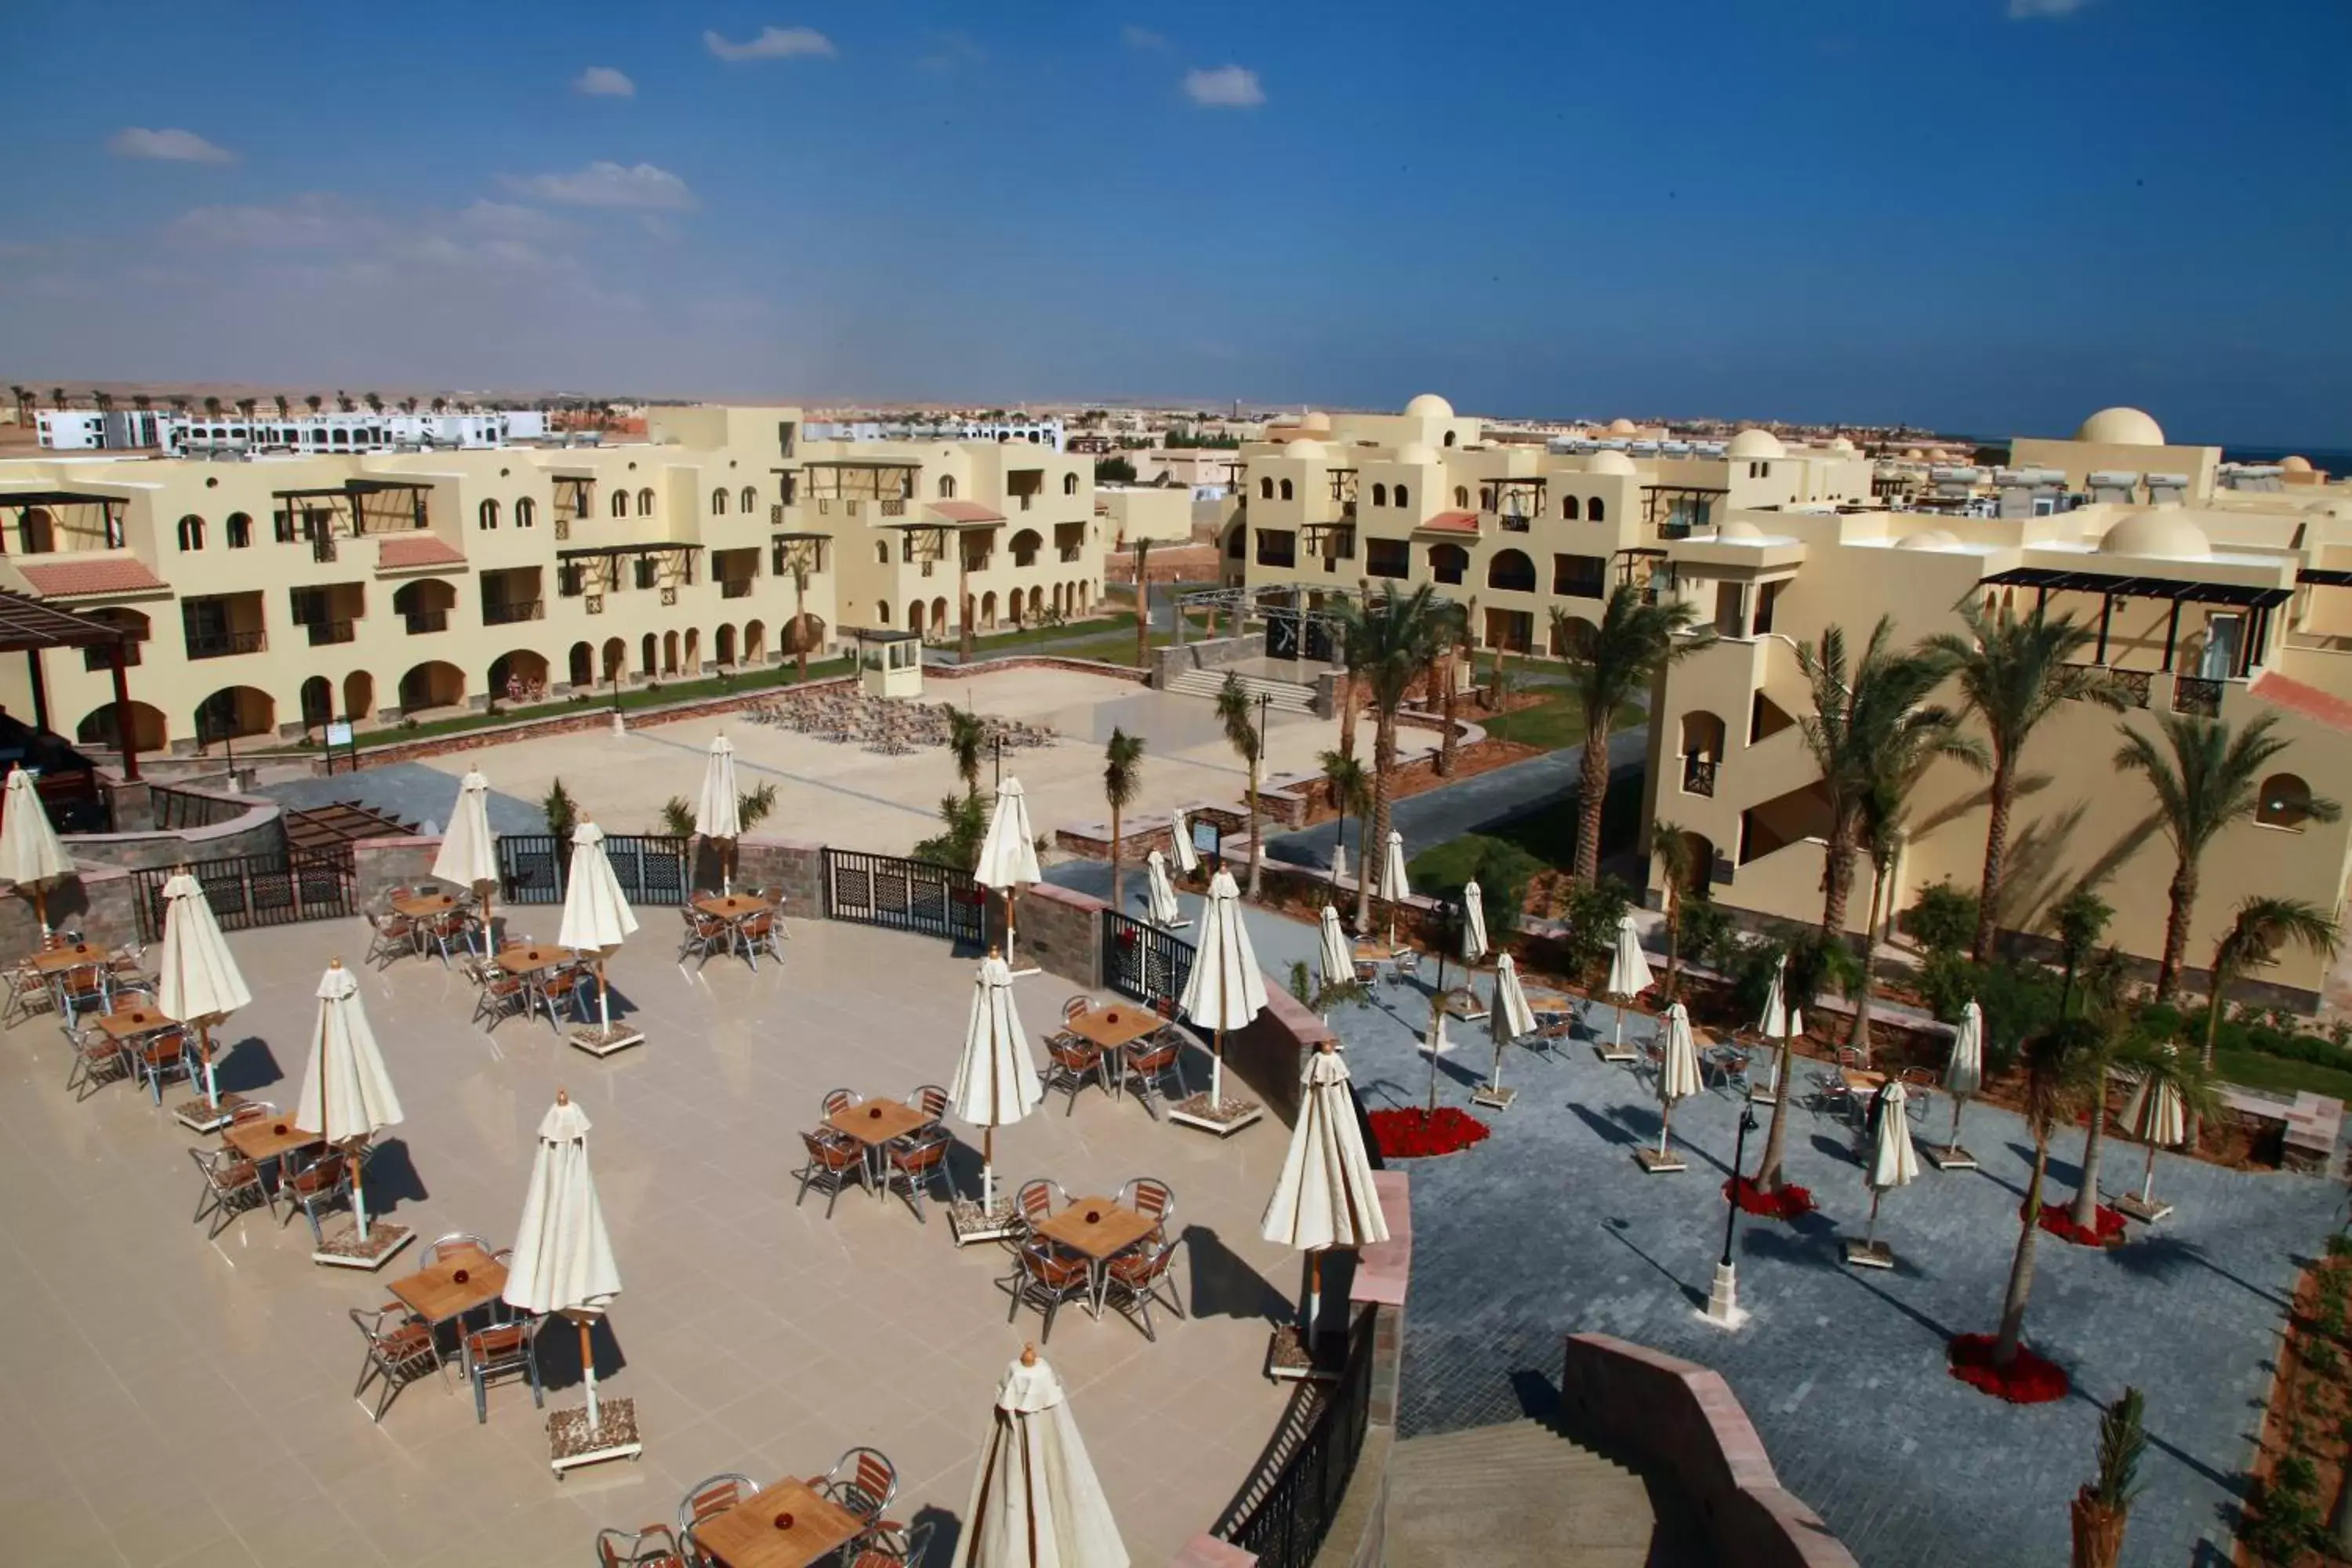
[1286, 696]
[1514, 1496]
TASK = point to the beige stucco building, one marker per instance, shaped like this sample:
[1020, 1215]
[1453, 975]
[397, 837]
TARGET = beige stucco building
[276, 592]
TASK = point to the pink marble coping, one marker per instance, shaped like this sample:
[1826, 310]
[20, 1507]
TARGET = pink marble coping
[1384, 1268]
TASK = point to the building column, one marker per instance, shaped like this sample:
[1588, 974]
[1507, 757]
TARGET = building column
[40, 690]
[125, 734]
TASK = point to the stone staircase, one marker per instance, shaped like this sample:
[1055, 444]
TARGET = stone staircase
[1521, 1495]
[1286, 696]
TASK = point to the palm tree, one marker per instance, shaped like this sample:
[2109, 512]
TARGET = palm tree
[2262, 926]
[2013, 671]
[2205, 778]
[1248, 742]
[1812, 961]
[102, 399]
[1351, 796]
[409, 406]
[1884, 813]
[2051, 1058]
[1122, 777]
[967, 738]
[440, 405]
[213, 407]
[179, 403]
[2077, 921]
[56, 397]
[1143, 604]
[283, 410]
[142, 402]
[23, 396]
[1606, 667]
[314, 402]
[1441, 674]
[343, 402]
[800, 610]
[1673, 845]
[1860, 711]
[246, 407]
[1390, 639]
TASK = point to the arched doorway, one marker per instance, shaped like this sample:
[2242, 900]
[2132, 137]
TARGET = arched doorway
[518, 677]
[1037, 603]
[233, 712]
[803, 634]
[755, 642]
[988, 610]
[1702, 751]
[669, 652]
[1701, 856]
[97, 728]
[359, 697]
[649, 655]
[616, 660]
[940, 625]
[723, 646]
[583, 665]
[318, 703]
[915, 616]
[693, 650]
[424, 606]
[434, 684]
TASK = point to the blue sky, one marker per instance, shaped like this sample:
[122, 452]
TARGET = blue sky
[1986, 214]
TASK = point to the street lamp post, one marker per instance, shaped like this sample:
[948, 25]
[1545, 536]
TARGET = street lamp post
[1723, 1308]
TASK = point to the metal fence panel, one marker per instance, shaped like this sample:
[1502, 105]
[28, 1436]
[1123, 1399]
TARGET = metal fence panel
[651, 868]
[1283, 1517]
[249, 890]
[905, 895]
[530, 868]
[1142, 961]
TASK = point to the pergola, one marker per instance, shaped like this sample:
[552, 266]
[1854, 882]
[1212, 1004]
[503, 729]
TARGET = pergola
[24, 503]
[30, 628]
[2113, 585]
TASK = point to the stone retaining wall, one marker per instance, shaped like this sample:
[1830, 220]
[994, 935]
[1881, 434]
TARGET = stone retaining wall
[1212, 653]
[1683, 1421]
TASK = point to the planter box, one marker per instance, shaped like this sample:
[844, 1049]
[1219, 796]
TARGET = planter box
[570, 1443]
[344, 1249]
[1223, 1119]
[598, 1042]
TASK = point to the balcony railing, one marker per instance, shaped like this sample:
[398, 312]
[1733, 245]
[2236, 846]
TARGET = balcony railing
[512, 611]
[325, 632]
[1513, 523]
[322, 549]
[220, 644]
[1071, 553]
[979, 563]
[2195, 694]
[735, 587]
[2131, 685]
[1699, 775]
[419, 621]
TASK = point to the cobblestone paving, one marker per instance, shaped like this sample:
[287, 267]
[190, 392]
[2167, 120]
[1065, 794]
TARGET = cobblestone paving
[1548, 1228]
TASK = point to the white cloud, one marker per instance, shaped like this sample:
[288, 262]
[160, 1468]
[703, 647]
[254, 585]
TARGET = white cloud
[2029, 10]
[772, 43]
[169, 146]
[949, 51]
[505, 220]
[608, 185]
[303, 221]
[603, 81]
[1137, 37]
[1227, 87]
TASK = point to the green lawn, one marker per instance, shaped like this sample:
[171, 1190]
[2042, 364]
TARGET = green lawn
[1551, 724]
[631, 699]
[2254, 1070]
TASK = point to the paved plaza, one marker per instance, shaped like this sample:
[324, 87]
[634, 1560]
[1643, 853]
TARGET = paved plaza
[1548, 1228]
[175, 1401]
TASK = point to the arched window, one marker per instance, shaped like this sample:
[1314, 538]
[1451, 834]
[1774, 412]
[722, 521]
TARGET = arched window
[881, 613]
[487, 515]
[1449, 437]
[1286, 490]
[750, 500]
[719, 501]
[1462, 495]
[1598, 510]
[1511, 570]
[192, 533]
[1401, 497]
[1265, 489]
[2285, 803]
[526, 512]
[1380, 495]
[1069, 484]
[882, 556]
[620, 503]
[947, 486]
[1448, 563]
[1569, 508]
[646, 503]
[240, 531]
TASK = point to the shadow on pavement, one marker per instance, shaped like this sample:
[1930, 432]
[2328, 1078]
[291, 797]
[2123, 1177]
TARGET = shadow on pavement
[1225, 1286]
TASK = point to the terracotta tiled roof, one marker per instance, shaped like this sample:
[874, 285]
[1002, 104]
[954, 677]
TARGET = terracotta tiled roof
[103, 574]
[396, 550]
[965, 511]
[2308, 700]
[1451, 522]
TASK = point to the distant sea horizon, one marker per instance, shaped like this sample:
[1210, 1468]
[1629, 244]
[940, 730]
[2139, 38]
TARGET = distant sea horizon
[2336, 460]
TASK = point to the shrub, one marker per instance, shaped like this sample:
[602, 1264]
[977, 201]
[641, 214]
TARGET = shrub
[1708, 935]
[1503, 871]
[1593, 913]
[2289, 1517]
[2320, 1357]
[2017, 999]
[1942, 919]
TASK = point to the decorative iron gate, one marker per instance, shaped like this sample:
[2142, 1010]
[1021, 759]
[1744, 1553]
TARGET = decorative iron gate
[1286, 1507]
[652, 868]
[1142, 961]
[905, 895]
[249, 890]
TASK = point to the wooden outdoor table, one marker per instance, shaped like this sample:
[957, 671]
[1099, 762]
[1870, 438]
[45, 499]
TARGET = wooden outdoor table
[56, 960]
[423, 906]
[1859, 1082]
[751, 1535]
[1115, 1228]
[531, 960]
[438, 1295]
[732, 906]
[1112, 1027]
[130, 1022]
[268, 1138]
[874, 1123]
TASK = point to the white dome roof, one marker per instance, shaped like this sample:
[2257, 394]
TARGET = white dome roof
[1929, 539]
[1914, 454]
[1621, 427]
[1739, 529]
[1429, 405]
[2294, 465]
[1417, 453]
[1318, 421]
[2161, 533]
[2121, 427]
[1755, 443]
[1608, 463]
[1302, 447]
[1842, 447]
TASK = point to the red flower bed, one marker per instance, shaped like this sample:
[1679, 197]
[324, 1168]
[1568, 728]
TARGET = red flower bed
[2027, 1380]
[1790, 1203]
[2059, 1222]
[1418, 1135]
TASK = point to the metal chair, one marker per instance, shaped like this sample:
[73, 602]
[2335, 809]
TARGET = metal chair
[501, 998]
[1036, 1201]
[82, 989]
[833, 1164]
[1152, 1198]
[232, 1186]
[315, 1186]
[98, 1061]
[1148, 1062]
[390, 935]
[862, 1481]
[890, 1544]
[647, 1546]
[931, 1101]
[1134, 1278]
[399, 1351]
[837, 1100]
[160, 1056]
[28, 993]
[1075, 1005]
[1043, 1277]
[504, 1350]
[442, 927]
[917, 1159]
[455, 1241]
[1070, 1061]
[707, 1499]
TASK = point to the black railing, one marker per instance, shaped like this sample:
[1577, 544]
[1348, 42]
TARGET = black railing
[249, 890]
[325, 632]
[1699, 775]
[220, 645]
[1285, 1508]
[905, 895]
[735, 587]
[178, 808]
[2195, 694]
[652, 868]
[1142, 961]
[506, 614]
[422, 621]
[2130, 685]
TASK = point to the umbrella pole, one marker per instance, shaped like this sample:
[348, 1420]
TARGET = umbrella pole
[987, 1169]
[588, 1369]
[1621, 1025]
[204, 1046]
[1314, 1298]
[1666, 1122]
[1008, 927]
[604, 1006]
[2148, 1183]
[41, 906]
[1870, 1233]
[1957, 1100]
[1217, 1070]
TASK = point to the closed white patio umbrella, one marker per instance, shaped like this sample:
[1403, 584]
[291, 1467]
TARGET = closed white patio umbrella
[1779, 1023]
[1179, 834]
[995, 1081]
[469, 851]
[199, 982]
[1473, 924]
[1629, 974]
[1677, 1071]
[1008, 854]
[1892, 1164]
[563, 1256]
[1225, 990]
[716, 813]
[32, 856]
[1035, 1501]
[596, 916]
[1325, 1197]
[1334, 954]
[1165, 911]
[1511, 1018]
[1394, 885]
[2158, 1120]
[1964, 1075]
[347, 1096]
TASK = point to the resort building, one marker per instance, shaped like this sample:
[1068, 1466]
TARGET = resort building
[116, 430]
[2203, 598]
[272, 593]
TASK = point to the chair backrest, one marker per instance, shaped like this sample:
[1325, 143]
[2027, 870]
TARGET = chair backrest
[1073, 1006]
[865, 1480]
[252, 1110]
[1149, 1197]
[1036, 1200]
[823, 1151]
[442, 1245]
[712, 1495]
[931, 1101]
[840, 1100]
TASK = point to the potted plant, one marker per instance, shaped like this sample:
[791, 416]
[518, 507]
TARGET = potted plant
[2102, 1507]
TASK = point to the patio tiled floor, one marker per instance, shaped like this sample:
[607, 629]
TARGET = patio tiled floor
[175, 1402]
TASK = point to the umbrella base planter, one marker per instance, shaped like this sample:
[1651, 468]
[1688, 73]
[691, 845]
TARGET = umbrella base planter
[344, 1248]
[197, 1115]
[1288, 1359]
[1659, 1164]
[1492, 1097]
[2148, 1212]
[967, 1221]
[605, 1042]
[1223, 1118]
[572, 1442]
[1869, 1255]
[1949, 1156]
[1610, 1052]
